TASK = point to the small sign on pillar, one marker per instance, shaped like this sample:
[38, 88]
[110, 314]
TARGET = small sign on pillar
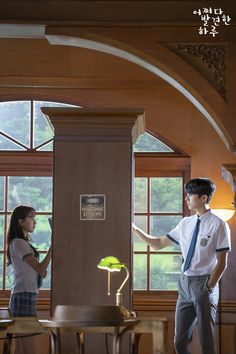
[92, 207]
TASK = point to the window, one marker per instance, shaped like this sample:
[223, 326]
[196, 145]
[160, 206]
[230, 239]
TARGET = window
[158, 208]
[148, 143]
[24, 127]
[25, 174]
[25, 178]
[35, 191]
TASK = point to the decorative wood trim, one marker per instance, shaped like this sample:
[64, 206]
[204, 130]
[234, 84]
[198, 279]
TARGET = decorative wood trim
[96, 122]
[140, 303]
[32, 163]
[93, 138]
[61, 83]
[208, 59]
[160, 162]
[166, 302]
[154, 302]
[228, 306]
[42, 304]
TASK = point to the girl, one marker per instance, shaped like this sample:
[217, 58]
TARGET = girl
[24, 258]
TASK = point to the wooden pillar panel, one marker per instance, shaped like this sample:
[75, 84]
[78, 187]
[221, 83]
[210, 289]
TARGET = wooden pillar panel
[92, 155]
[79, 245]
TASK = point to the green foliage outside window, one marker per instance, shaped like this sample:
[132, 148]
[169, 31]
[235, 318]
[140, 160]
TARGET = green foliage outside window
[140, 194]
[140, 272]
[166, 195]
[35, 191]
[30, 122]
[42, 130]
[1, 230]
[148, 143]
[165, 271]
[1, 269]
[14, 115]
[1, 193]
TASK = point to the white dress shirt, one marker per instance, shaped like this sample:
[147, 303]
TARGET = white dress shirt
[213, 237]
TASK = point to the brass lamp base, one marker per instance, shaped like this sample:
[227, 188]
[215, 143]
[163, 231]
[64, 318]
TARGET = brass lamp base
[118, 299]
[126, 313]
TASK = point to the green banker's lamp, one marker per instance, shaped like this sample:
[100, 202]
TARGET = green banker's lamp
[112, 264]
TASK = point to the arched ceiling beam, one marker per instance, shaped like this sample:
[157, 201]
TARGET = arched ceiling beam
[149, 64]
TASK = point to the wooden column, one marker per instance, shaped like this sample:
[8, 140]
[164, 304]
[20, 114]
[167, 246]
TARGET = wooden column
[92, 155]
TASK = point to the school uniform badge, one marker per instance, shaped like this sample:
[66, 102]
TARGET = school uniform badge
[204, 241]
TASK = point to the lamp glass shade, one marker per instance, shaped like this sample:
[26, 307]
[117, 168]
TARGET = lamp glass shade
[111, 264]
[224, 214]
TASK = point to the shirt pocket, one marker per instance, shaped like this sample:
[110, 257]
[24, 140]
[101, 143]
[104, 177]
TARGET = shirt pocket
[205, 240]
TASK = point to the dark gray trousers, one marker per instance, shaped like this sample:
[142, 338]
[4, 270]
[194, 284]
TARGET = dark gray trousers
[195, 305]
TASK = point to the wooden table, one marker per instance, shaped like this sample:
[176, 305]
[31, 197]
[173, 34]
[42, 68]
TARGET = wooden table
[134, 326]
[81, 327]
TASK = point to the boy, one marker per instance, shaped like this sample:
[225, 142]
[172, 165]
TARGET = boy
[204, 240]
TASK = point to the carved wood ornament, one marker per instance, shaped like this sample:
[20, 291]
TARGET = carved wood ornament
[208, 59]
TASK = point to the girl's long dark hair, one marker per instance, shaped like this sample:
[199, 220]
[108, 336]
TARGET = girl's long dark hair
[15, 228]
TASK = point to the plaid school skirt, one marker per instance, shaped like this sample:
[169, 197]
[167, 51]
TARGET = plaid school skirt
[23, 304]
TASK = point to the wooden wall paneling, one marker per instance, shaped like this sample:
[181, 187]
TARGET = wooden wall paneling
[228, 339]
[167, 309]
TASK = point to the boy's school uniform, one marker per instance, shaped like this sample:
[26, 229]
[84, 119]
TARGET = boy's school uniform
[196, 304]
[213, 237]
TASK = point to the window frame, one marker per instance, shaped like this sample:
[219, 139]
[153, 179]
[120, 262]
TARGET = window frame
[31, 164]
[30, 161]
[31, 129]
[175, 164]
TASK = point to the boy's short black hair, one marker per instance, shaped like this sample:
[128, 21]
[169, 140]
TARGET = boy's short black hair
[200, 186]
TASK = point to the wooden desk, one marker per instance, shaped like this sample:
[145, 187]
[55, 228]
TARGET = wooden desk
[81, 327]
[81, 319]
[135, 326]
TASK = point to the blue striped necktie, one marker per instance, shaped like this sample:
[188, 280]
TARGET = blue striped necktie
[192, 246]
